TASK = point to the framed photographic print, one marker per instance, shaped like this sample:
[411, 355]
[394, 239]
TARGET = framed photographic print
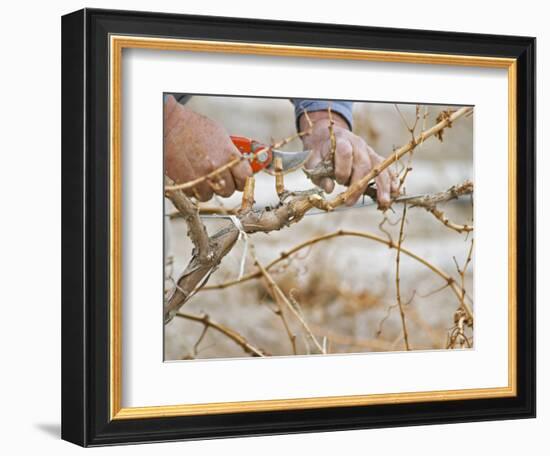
[275, 227]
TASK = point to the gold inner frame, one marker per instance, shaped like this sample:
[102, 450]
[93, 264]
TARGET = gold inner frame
[117, 44]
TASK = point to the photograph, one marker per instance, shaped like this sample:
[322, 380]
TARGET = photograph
[272, 226]
[304, 227]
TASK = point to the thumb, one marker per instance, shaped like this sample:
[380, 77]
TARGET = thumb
[315, 157]
[327, 184]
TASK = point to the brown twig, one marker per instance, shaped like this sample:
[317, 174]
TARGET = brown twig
[384, 319]
[207, 252]
[431, 293]
[454, 192]
[200, 339]
[397, 279]
[284, 255]
[444, 115]
[388, 313]
[405, 174]
[457, 332]
[439, 215]
[408, 168]
[342, 339]
[276, 291]
[196, 230]
[331, 135]
[279, 177]
[207, 210]
[405, 123]
[462, 272]
[430, 202]
[294, 301]
[320, 203]
[248, 195]
[215, 173]
[385, 220]
[461, 317]
[230, 333]
[280, 312]
[285, 141]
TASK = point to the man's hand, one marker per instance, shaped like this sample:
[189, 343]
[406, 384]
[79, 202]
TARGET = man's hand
[353, 158]
[196, 146]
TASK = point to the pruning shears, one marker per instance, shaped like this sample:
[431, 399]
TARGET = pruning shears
[262, 156]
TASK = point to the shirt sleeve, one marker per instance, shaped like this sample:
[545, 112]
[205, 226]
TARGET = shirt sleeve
[344, 108]
[181, 98]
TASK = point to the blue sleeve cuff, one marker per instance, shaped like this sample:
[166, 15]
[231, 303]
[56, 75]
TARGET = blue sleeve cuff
[344, 108]
[181, 98]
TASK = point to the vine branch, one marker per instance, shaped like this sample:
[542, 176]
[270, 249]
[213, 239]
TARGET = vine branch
[397, 279]
[230, 333]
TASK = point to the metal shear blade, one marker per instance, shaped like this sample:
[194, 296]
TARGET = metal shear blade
[291, 161]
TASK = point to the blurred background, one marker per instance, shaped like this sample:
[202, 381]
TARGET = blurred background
[345, 286]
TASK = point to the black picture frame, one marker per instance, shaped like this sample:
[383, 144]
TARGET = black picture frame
[85, 228]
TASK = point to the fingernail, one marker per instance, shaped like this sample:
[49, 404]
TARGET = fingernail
[383, 197]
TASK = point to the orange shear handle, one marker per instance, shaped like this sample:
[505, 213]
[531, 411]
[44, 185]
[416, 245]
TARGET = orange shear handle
[258, 155]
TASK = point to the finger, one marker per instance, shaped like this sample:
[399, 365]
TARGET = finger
[191, 167]
[181, 170]
[240, 171]
[314, 159]
[394, 184]
[361, 167]
[176, 165]
[224, 185]
[383, 180]
[383, 185]
[327, 184]
[343, 161]
[200, 168]
[203, 191]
